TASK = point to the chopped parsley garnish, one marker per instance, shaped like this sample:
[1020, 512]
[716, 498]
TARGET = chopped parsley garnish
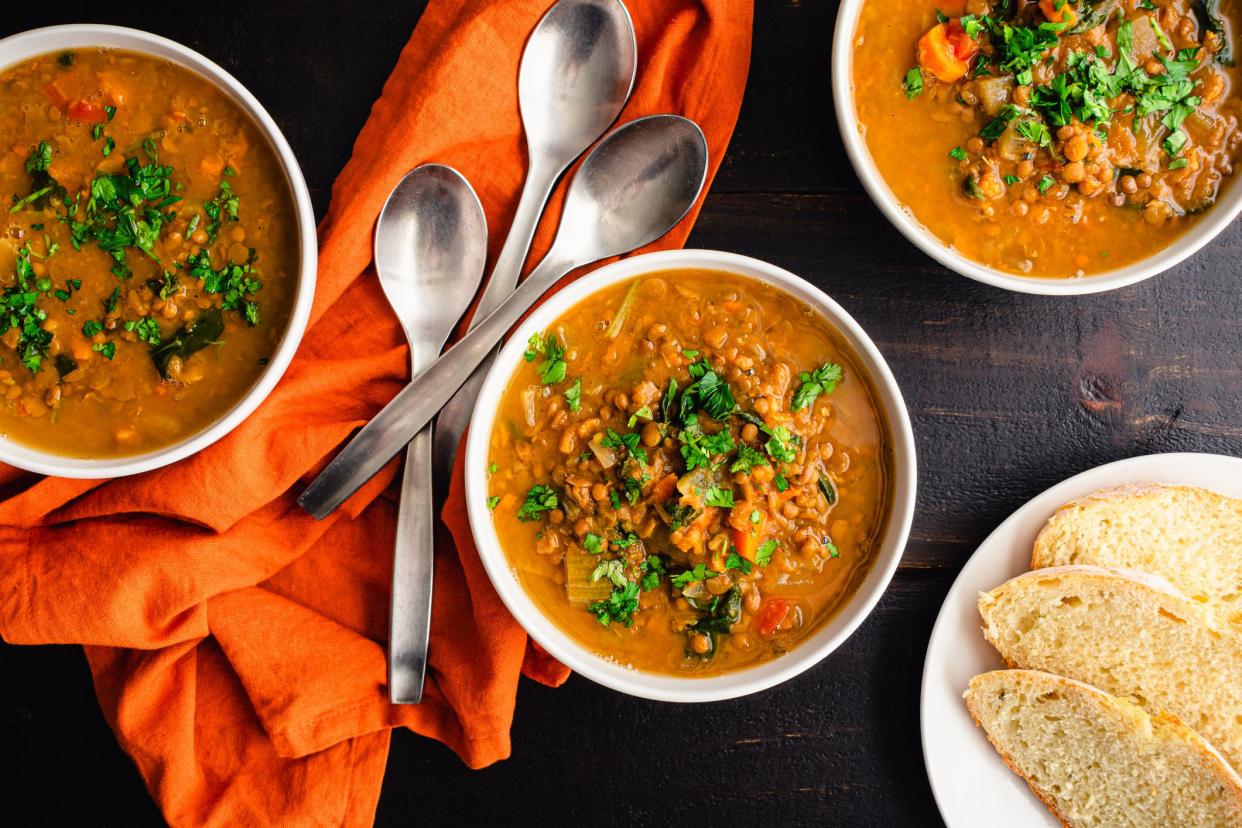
[91, 327]
[1045, 184]
[18, 310]
[236, 282]
[593, 543]
[493, 502]
[722, 498]
[699, 449]
[764, 556]
[699, 572]
[779, 445]
[126, 210]
[822, 380]
[146, 329]
[913, 82]
[224, 207]
[539, 499]
[736, 561]
[612, 570]
[643, 413]
[654, 569]
[552, 369]
[108, 349]
[573, 396]
[958, 154]
[747, 459]
[629, 442]
[709, 392]
[619, 607]
[781, 483]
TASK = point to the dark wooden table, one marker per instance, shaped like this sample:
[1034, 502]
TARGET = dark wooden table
[1009, 394]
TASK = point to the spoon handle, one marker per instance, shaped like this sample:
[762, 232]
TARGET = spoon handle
[412, 575]
[415, 406]
[455, 416]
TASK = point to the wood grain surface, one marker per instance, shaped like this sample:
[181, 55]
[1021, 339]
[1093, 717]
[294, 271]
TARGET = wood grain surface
[1008, 393]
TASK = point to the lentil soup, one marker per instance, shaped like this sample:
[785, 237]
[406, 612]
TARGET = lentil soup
[150, 257]
[689, 472]
[1056, 138]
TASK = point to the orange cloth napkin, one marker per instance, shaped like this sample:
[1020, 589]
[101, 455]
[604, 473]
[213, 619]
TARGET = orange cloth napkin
[237, 645]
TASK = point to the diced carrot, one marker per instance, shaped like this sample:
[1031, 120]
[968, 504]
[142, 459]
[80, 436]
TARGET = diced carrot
[746, 533]
[87, 111]
[1059, 11]
[663, 490]
[938, 55]
[770, 616]
[55, 95]
[212, 166]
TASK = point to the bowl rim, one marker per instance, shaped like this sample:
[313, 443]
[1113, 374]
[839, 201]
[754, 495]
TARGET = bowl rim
[33, 42]
[809, 652]
[1207, 228]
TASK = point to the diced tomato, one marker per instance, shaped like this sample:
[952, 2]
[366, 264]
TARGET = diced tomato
[87, 111]
[745, 533]
[771, 614]
[1059, 11]
[946, 52]
[964, 46]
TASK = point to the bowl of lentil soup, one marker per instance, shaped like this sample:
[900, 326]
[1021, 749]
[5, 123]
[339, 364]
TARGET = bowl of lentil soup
[158, 263]
[690, 475]
[1056, 147]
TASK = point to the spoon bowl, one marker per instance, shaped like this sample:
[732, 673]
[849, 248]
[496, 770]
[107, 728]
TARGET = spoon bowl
[633, 188]
[430, 249]
[577, 72]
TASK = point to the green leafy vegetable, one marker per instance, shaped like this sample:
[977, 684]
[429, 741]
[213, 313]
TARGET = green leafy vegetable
[822, 380]
[538, 500]
[188, 340]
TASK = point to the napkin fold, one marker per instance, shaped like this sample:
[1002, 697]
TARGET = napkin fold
[237, 645]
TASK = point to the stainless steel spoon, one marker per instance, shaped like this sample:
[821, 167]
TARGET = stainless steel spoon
[576, 74]
[633, 188]
[430, 249]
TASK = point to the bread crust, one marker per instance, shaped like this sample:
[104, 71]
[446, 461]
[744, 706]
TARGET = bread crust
[1225, 773]
[1120, 492]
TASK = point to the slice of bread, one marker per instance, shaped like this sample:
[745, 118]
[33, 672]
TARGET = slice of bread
[1128, 633]
[1096, 760]
[1191, 537]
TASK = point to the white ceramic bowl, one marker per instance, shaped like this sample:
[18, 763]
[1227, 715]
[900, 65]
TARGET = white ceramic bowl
[23, 46]
[811, 650]
[1207, 228]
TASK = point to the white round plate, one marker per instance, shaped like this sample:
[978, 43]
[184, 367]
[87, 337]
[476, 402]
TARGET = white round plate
[972, 786]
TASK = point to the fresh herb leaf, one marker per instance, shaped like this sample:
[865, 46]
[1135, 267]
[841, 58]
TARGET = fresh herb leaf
[573, 396]
[912, 83]
[538, 500]
[822, 380]
[699, 572]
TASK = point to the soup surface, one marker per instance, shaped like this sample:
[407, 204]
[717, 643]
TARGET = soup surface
[150, 255]
[689, 473]
[1054, 138]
